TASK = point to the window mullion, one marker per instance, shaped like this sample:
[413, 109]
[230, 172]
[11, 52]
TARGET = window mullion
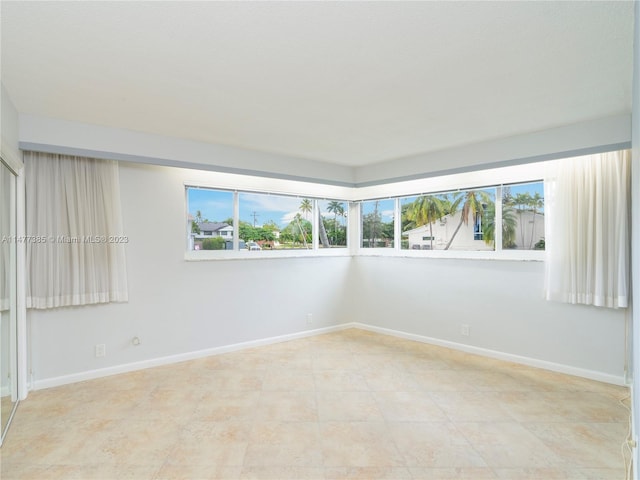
[236, 221]
[497, 235]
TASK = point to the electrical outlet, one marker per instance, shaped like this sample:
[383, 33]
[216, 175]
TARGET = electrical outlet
[101, 350]
[309, 318]
[464, 330]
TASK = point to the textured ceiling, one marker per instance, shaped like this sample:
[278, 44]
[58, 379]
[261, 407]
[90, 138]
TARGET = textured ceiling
[350, 83]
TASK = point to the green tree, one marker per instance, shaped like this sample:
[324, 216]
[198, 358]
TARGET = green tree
[337, 209]
[471, 204]
[535, 202]
[247, 232]
[305, 207]
[372, 225]
[521, 203]
[509, 223]
[426, 210]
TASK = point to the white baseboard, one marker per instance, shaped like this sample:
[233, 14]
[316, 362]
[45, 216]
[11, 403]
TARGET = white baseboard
[532, 362]
[156, 362]
[182, 357]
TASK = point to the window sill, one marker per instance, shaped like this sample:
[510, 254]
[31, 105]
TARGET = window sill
[209, 255]
[511, 255]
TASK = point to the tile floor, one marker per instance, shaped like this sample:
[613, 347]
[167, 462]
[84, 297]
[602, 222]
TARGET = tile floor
[345, 405]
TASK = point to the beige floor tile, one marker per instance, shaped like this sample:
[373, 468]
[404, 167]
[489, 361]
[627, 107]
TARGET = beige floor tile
[414, 406]
[281, 473]
[469, 473]
[509, 445]
[211, 443]
[384, 380]
[358, 444]
[288, 380]
[81, 472]
[287, 406]
[435, 445]
[558, 474]
[222, 406]
[190, 471]
[583, 445]
[339, 381]
[367, 473]
[348, 407]
[471, 406]
[442, 381]
[269, 433]
[345, 405]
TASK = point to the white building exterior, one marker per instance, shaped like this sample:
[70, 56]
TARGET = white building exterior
[529, 230]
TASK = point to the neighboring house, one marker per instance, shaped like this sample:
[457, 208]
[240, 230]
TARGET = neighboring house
[215, 229]
[211, 230]
[470, 237]
[529, 229]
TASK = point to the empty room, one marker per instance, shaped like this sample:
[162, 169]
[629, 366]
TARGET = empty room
[319, 240]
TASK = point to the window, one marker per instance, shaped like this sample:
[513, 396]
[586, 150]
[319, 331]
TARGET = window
[377, 223]
[209, 211]
[507, 218]
[275, 222]
[523, 216]
[460, 220]
[332, 224]
[264, 221]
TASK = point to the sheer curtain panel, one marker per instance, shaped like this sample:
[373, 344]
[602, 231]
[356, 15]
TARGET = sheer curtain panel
[588, 202]
[75, 242]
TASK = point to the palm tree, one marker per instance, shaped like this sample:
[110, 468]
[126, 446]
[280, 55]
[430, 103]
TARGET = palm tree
[426, 210]
[535, 202]
[473, 203]
[305, 207]
[509, 223]
[303, 233]
[521, 201]
[336, 208]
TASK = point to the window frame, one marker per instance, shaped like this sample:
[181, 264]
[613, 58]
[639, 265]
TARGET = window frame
[237, 253]
[354, 196]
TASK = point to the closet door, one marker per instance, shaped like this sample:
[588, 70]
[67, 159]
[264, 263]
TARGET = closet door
[8, 316]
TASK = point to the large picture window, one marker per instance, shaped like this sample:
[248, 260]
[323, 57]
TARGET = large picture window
[503, 220]
[377, 223]
[460, 220]
[523, 216]
[254, 222]
[332, 224]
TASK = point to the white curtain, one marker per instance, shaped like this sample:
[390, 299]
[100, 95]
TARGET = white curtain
[75, 242]
[588, 230]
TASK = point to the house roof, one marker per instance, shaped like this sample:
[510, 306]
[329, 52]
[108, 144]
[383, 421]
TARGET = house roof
[212, 226]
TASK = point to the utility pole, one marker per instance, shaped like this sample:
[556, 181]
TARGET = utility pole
[254, 215]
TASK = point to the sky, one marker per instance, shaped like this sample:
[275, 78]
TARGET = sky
[217, 206]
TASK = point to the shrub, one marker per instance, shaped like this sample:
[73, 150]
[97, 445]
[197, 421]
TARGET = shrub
[216, 243]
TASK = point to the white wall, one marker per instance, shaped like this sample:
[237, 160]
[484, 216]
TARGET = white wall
[635, 234]
[8, 129]
[595, 136]
[501, 301]
[178, 307]
[74, 138]
[60, 136]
